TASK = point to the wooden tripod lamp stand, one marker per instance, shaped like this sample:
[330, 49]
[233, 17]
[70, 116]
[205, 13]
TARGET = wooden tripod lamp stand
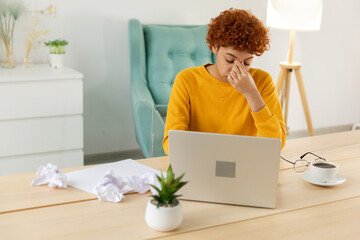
[299, 15]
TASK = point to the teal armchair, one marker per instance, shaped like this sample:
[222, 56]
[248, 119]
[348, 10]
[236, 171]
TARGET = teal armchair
[157, 54]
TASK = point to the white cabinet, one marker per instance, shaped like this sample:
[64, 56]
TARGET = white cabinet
[40, 118]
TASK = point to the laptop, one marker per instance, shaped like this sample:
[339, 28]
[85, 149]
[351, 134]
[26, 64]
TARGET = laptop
[223, 168]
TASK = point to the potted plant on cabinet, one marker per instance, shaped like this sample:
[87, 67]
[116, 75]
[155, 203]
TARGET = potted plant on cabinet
[57, 51]
[163, 210]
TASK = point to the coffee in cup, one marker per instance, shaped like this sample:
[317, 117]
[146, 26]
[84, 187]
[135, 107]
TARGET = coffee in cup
[323, 170]
[324, 165]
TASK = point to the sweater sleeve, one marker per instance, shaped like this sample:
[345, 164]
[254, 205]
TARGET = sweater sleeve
[178, 115]
[269, 120]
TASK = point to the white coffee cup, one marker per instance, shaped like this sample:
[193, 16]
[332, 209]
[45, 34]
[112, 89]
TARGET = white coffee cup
[323, 170]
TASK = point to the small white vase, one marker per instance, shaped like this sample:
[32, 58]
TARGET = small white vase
[56, 60]
[163, 218]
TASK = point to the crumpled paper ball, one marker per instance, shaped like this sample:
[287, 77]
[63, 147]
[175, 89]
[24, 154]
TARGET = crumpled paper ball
[110, 188]
[50, 174]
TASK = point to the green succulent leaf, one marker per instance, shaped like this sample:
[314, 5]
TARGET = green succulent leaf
[182, 184]
[169, 178]
[155, 187]
[180, 177]
[158, 178]
[156, 197]
[176, 196]
[169, 186]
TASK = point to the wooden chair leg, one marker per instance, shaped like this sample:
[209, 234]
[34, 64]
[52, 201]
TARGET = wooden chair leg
[280, 85]
[304, 101]
[281, 80]
[287, 97]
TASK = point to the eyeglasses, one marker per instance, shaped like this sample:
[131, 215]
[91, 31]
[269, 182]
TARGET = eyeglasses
[302, 164]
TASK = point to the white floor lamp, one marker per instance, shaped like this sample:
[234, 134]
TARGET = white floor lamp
[293, 15]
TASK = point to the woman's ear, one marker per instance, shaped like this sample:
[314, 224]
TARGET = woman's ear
[214, 49]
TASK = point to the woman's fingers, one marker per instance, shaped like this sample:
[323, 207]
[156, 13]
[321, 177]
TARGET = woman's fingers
[231, 80]
[234, 75]
[236, 69]
[241, 67]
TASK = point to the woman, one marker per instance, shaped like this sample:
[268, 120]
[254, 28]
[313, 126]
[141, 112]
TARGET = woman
[228, 97]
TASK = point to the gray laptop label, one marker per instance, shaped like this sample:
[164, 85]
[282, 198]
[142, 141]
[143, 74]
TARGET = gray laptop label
[225, 169]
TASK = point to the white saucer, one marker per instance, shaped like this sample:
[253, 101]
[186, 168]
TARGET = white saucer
[336, 181]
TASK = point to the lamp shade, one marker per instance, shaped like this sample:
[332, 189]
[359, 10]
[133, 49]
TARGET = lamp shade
[299, 15]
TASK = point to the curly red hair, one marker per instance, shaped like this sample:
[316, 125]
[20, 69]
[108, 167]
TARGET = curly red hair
[239, 29]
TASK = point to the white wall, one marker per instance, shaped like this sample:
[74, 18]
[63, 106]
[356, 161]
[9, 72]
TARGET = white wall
[98, 47]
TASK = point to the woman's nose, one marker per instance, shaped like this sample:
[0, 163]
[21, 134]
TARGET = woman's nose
[241, 62]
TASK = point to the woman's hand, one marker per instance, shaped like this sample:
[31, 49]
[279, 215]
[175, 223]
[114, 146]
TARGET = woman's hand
[241, 80]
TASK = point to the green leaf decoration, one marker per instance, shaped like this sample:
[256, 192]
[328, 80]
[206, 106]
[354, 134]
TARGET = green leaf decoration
[169, 186]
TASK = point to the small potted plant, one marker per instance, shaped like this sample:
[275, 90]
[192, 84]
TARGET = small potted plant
[163, 210]
[57, 51]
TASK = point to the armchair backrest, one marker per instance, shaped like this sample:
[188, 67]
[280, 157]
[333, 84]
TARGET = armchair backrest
[170, 49]
[158, 53]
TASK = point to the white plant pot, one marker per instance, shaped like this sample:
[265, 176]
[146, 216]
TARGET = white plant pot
[163, 218]
[56, 60]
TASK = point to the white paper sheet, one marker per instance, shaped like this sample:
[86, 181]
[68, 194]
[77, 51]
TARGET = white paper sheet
[87, 179]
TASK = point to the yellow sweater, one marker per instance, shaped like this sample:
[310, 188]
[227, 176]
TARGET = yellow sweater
[200, 102]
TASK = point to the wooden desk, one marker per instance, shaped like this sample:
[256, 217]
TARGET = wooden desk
[304, 211]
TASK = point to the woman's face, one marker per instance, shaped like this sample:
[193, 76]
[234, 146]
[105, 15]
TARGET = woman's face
[225, 57]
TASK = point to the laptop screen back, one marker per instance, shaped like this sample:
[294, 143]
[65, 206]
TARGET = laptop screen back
[224, 168]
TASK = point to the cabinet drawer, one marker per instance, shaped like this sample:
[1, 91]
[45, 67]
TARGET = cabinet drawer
[31, 163]
[39, 135]
[40, 98]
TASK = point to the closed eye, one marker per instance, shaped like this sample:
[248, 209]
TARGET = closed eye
[232, 61]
